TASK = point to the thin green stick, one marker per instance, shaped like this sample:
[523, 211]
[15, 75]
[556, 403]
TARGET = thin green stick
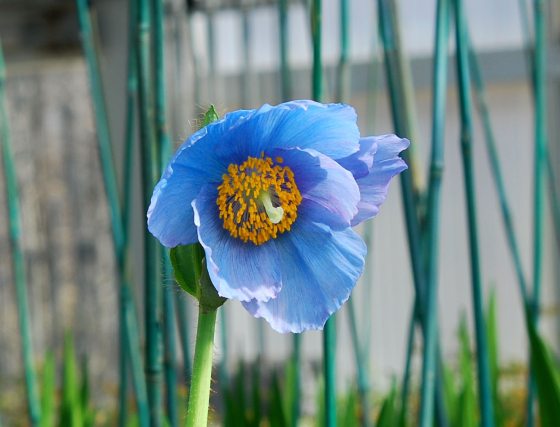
[296, 386]
[405, 390]
[285, 74]
[490, 140]
[184, 334]
[329, 333]
[197, 413]
[149, 154]
[410, 202]
[20, 280]
[124, 293]
[247, 78]
[483, 364]
[433, 211]
[110, 183]
[343, 81]
[164, 144]
[286, 94]
[210, 51]
[540, 165]
[362, 375]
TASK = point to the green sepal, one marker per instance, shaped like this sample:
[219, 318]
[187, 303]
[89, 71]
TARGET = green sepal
[210, 116]
[209, 299]
[187, 266]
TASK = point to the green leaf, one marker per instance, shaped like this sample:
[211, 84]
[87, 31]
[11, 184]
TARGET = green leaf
[466, 413]
[187, 266]
[48, 391]
[546, 373]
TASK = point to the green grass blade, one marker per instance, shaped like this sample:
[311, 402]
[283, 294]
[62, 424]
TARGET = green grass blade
[466, 415]
[350, 416]
[388, 416]
[48, 391]
[71, 407]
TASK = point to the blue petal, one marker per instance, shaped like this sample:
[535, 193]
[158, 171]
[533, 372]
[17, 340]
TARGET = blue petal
[320, 268]
[330, 193]
[360, 162]
[238, 270]
[170, 215]
[373, 187]
[330, 129]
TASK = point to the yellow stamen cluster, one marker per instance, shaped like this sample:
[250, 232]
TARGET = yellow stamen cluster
[258, 199]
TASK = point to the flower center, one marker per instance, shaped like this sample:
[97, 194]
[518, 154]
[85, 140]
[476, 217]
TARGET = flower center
[258, 199]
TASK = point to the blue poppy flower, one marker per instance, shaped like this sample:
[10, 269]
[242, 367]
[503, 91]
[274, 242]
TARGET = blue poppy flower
[272, 194]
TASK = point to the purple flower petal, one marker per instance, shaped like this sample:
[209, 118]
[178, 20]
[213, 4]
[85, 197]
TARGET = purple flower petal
[373, 187]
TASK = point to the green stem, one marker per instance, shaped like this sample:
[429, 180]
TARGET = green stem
[483, 364]
[20, 280]
[197, 413]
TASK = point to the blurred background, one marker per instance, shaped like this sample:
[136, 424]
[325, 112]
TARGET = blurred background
[229, 53]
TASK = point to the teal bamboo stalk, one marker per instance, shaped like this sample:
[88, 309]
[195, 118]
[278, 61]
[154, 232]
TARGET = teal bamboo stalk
[247, 77]
[197, 413]
[329, 333]
[490, 140]
[540, 62]
[18, 262]
[540, 165]
[110, 184]
[210, 51]
[195, 60]
[405, 389]
[410, 202]
[296, 390]
[285, 74]
[343, 82]
[169, 337]
[362, 374]
[164, 145]
[286, 94]
[483, 365]
[184, 334]
[223, 367]
[429, 365]
[551, 176]
[125, 299]
[149, 155]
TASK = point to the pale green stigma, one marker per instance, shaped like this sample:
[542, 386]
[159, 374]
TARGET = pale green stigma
[274, 214]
